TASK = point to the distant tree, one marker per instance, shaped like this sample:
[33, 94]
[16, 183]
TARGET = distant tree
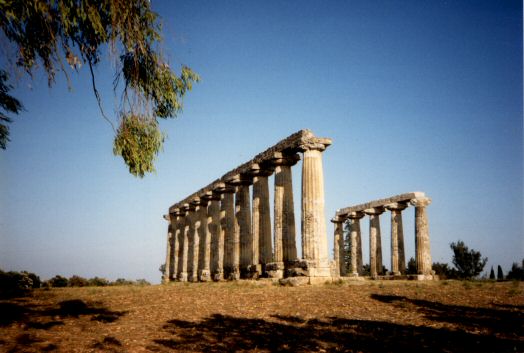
[443, 270]
[412, 267]
[15, 284]
[53, 34]
[122, 282]
[516, 272]
[162, 269]
[500, 273]
[366, 270]
[468, 263]
[58, 281]
[77, 281]
[492, 273]
[98, 282]
[142, 282]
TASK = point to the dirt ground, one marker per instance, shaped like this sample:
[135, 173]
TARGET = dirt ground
[363, 316]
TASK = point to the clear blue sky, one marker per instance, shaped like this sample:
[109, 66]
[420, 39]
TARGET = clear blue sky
[416, 95]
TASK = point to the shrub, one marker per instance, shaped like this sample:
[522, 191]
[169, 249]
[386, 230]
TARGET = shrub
[58, 281]
[142, 282]
[412, 267]
[98, 282]
[469, 263]
[516, 272]
[500, 274]
[14, 284]
[77, 281]
[122, 282]
[444, 271]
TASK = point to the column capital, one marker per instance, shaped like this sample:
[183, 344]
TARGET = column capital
[239, 179]
[223, 188]
[396, 206]
[280, 158]
[187, 207]
[316, 144]
[338, 219]
[374, 211]
[355, 215]
[420, 201]
[210, 196]
[257, 169]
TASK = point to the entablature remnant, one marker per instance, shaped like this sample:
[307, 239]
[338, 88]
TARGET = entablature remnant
[286, 149]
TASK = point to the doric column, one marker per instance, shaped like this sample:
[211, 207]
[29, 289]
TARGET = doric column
[194, 240]
[398, 261]
[175, 227]
[314, 236]
[216, 259]
[185, 229]
[168, 270]
[261, 225]
[422, 248]
[227, 229]
[204, 252]
[356, 243]
[285, 248]
[375, 242]
[339, 251]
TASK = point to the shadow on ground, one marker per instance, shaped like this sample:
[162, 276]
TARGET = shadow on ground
[32, 316]
[219, 333]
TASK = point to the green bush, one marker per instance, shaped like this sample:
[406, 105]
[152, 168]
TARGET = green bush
[58, 281]
[98, 282]
[516, 272]
[14, 284]
[77, 281]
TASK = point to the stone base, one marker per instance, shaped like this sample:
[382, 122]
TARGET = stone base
[218, 276]
[312, 268]
[251, 272]
[275, 270]
[205, 276]
[421, 277]
[182, 276]
[193, 277]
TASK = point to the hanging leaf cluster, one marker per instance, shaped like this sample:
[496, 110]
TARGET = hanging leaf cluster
[54, 34]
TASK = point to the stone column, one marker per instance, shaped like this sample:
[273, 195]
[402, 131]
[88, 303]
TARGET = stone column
[204, 273]
[194, 240]
[398, 261]
[285, 250]
[375, 242]
[261, 225]
[217, 237]
[185, 229]
[243, 229]
[339, 251]
[356, 243]
[314, 236]
[227, 229]
[175, 226]
[422, 248]
[168, 270]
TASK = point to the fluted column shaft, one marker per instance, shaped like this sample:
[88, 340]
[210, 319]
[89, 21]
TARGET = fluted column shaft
[314, 236]
[422, 247]
[194, 243]
[168, 271]
[243, 228]
[338, 247]
[262, 249]
[204, 253]
[227, 219]
[217, 239]
[375, 242]
[175, 229]
[185, 230]
[356, 243]
[284, 212]
[398, 262]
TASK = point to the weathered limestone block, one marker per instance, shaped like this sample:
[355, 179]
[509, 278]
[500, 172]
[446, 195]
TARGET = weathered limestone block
[217, 237]
[356, 243]
[227, 224]
[314, 236]
[185, 230]
[194, 241]
[398, 261]
[422, 247]
[375, 242]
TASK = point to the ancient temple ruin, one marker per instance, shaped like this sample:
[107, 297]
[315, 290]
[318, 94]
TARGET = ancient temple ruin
[373, 210]
[218, 233]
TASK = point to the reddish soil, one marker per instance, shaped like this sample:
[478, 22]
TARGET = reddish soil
[370, 316]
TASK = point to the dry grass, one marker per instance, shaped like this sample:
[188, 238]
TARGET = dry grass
[370, 316]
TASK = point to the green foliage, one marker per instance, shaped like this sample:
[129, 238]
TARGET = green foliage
[98, 282]
[44, 33]
[492, 273]
[142, 282]
[162, 269]
[138, 140]
[77, 281]
[500, 274]
[516, 272]
[15, 284]
[469, 263]
[412, 267]
[58, 281]
[443, 271]
[122, 282]
[8, 104]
